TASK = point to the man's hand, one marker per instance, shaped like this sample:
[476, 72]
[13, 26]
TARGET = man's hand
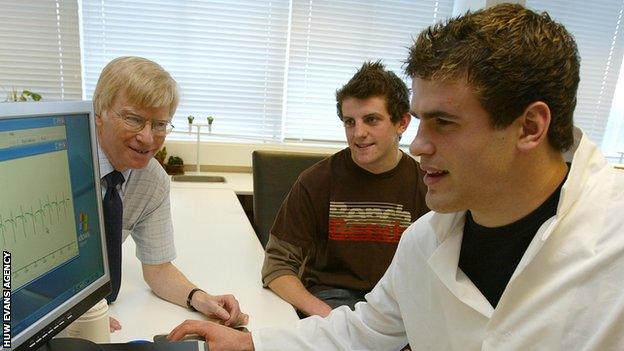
[218, 337]
[170, 284]
[222, 307]
[113, 324]
[291, 289]
[318, 308]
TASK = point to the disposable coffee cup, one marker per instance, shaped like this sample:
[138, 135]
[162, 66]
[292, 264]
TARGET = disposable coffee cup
[92, 326]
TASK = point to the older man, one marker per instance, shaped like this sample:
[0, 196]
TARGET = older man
[134, 101]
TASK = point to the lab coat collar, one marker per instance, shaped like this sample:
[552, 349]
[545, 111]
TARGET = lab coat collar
[449, 227]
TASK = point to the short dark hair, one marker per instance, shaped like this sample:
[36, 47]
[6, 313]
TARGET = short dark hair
[374, 80]
[512, 57]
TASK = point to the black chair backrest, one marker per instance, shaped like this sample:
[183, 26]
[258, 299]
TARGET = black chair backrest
[274, 173]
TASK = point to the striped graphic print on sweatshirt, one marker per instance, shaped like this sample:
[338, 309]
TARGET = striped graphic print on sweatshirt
[367, 221]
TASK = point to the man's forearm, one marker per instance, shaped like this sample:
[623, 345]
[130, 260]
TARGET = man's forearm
[290, 288]
[167, 282]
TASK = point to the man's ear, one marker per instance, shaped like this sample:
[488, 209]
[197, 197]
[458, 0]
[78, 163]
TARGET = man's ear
[98, 120]
[403, 123]
[533, 126]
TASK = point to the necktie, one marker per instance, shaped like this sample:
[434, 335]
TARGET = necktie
[113, 216]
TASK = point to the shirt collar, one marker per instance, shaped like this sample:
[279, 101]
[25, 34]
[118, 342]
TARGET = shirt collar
[106, 167]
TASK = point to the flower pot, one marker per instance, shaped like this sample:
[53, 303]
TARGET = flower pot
[175, 169]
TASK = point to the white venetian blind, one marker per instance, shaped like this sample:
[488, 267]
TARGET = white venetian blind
[39, 49]
[330, 39]
[227, 56]
[599, 32]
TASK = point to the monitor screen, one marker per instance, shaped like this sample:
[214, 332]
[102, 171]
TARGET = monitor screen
[51, 229]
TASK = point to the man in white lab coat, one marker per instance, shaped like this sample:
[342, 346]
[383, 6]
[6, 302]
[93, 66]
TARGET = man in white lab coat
[523, 251]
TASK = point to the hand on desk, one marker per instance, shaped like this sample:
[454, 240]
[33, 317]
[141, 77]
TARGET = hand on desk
[222, 307]
[113, 324]
[218, 337]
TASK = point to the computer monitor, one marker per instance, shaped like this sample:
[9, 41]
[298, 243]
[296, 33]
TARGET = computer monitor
[51, 228]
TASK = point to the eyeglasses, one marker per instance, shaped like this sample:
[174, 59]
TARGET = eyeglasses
[135, 123]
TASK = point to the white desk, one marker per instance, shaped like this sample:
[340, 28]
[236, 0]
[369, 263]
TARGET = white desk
[217, 250]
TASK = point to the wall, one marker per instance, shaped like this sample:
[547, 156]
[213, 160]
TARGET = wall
[235, 157]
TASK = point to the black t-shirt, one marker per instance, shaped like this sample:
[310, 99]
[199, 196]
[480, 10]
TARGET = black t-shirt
[489, 256]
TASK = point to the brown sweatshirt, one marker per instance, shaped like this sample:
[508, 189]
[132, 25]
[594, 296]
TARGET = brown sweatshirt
[340, 224]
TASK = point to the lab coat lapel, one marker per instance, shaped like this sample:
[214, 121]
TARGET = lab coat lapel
[445, 259]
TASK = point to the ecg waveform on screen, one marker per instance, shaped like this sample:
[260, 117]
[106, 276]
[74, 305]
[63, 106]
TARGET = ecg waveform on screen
[38, 220]
[40, 234]
[24, 223]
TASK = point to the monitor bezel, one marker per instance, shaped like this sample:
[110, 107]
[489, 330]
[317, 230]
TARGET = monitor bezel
[54, 321]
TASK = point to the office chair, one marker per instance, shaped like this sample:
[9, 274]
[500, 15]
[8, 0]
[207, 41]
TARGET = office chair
[274, 173]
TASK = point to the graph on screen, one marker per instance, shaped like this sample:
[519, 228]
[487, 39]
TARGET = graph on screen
[37, 224]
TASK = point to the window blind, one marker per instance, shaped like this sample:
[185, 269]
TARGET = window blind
[598, 30]
[330, 39]
[269, 69]
[228, 57]
[39, 49]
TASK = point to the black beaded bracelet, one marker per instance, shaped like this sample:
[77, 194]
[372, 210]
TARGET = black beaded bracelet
[190, 297]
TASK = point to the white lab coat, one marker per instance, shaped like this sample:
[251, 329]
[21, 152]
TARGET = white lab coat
[567, 292]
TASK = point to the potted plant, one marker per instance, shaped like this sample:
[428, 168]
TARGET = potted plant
[161, 155]
[190, 119]
[210, 119]
[175, 165]
[26, 95]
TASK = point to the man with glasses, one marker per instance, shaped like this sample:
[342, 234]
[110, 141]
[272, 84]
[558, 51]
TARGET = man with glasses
[134, 101]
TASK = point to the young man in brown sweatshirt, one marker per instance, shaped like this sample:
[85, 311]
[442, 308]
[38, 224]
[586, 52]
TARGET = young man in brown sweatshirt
[337, 230]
